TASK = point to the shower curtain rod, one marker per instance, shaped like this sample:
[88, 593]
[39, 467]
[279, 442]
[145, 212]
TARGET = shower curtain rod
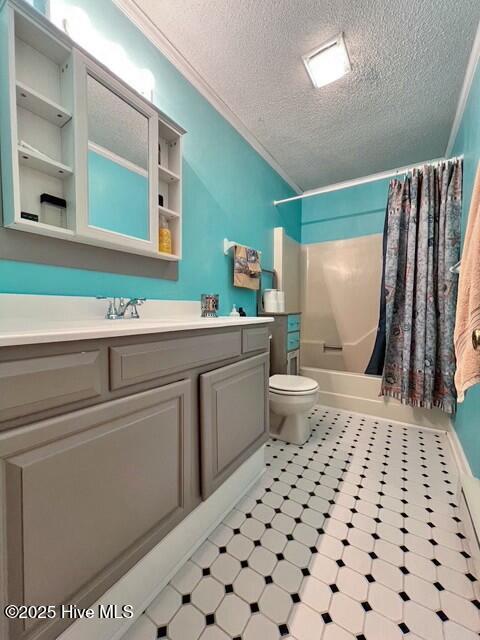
[365, 179]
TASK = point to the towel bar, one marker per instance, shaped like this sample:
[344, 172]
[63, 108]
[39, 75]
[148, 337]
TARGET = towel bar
[476, 338]
[229, 244]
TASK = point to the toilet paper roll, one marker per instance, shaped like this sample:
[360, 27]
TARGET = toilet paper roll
[270, 301]
[280, 301]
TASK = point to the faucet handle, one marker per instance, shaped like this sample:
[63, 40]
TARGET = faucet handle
[134, 302]
[112, 313]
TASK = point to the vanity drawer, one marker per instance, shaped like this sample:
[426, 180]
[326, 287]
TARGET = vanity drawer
[135, 363]
[255, 339]
[293, 340]
[31, 385]
[293, 323]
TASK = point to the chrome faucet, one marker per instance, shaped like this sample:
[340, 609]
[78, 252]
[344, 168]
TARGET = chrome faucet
[118, 311]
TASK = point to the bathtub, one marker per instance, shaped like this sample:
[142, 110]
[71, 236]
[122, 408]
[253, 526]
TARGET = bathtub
[359, 392]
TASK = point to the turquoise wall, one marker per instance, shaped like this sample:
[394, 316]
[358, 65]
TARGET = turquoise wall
[228, 191]
[348, 213]
[467, 420]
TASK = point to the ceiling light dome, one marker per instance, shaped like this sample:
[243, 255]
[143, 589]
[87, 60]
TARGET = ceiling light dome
[327, 63]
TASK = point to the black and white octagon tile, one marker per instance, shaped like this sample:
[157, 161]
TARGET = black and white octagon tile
[355, 535]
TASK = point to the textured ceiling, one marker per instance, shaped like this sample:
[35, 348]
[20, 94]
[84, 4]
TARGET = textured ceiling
[395, 107]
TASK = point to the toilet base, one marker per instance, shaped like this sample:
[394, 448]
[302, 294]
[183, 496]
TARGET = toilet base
[294, 428]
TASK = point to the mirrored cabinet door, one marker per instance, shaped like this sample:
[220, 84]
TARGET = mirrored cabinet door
[118, 163]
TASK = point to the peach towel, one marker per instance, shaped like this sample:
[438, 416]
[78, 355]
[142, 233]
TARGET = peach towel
[468, 302]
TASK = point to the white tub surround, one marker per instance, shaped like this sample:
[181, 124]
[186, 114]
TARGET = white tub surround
[360, 393]
[28, 319]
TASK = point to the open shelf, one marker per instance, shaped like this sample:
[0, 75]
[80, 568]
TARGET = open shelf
[41, 106]
[44, 165]
[168, 213]
[45, 229]
[167, 175]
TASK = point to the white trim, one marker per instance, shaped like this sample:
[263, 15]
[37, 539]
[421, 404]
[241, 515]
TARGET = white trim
[123, 162]
[464, 93]
[459, 456]
[153, 33]
[141, 585]
[373, 177]
[469, 497]
[278, 240]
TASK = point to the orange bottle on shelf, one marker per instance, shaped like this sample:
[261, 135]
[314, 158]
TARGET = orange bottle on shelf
[164, 236]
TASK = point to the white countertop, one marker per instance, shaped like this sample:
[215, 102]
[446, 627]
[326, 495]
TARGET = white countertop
[28, 331]
[32, 319]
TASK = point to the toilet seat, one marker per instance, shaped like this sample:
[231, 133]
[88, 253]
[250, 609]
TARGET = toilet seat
[286, 385]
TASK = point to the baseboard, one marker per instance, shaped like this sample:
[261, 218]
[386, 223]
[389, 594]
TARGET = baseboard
[469, 496]
[459, 456]
[141, 585]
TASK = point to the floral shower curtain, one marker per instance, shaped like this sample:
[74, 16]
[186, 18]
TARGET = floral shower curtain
[423, 242]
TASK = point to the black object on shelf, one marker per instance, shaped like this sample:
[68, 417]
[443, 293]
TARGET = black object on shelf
[55, 200]
[160, 200]
[29, 216]
[241, 312]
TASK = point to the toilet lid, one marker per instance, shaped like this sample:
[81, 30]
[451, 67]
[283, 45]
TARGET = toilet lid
[292, 384]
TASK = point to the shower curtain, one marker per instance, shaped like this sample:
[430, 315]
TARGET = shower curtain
[422, 243]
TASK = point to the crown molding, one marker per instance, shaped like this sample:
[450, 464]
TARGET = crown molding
[141, 20]
[463, 98]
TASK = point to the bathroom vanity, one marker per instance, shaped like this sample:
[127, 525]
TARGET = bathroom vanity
[108, 441]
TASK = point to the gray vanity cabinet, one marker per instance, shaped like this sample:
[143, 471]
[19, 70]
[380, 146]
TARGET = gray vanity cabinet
[88, 493]
[108, 444]
[234, 418]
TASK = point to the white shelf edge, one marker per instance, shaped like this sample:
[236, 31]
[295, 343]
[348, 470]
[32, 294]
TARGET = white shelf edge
[48, 110]
[43, 164]
[170, 176]
[123, 162]
[169, 213]
[168, 256]
[40, 227]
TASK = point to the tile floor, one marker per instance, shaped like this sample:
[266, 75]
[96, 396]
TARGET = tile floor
[354, 535]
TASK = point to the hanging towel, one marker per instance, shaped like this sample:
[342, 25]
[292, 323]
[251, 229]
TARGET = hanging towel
[468, 303]
[246, 268]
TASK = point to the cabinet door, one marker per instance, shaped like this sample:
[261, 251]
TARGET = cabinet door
[89, 493]
[234, 418]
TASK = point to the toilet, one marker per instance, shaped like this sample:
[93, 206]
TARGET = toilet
[291, 399]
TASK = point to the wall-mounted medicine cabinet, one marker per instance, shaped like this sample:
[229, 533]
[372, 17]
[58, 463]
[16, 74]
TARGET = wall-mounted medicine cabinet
[84, 157]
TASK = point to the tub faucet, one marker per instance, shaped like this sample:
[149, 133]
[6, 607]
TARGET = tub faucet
[117, 311]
